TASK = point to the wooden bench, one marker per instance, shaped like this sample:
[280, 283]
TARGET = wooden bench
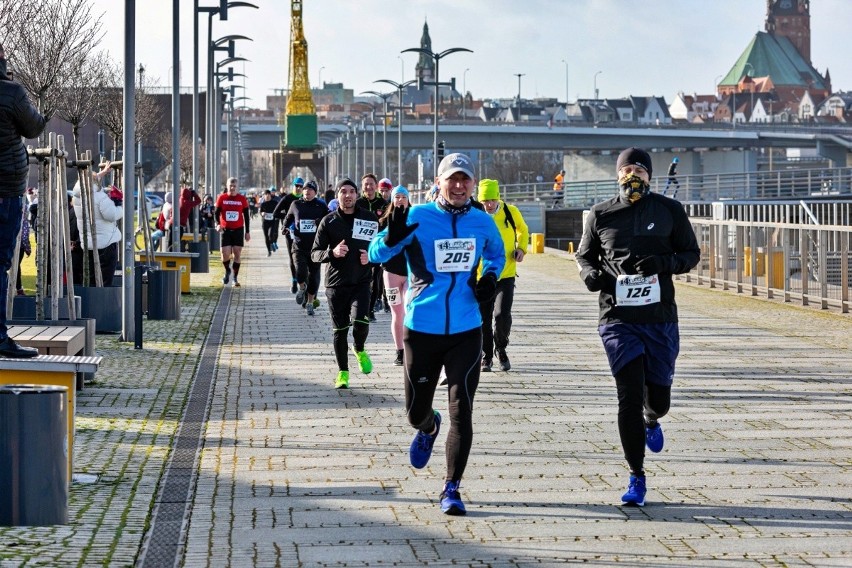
[53, 370]
[50, 340]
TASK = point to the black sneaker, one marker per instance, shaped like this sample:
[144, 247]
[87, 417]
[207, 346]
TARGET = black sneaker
[505, 365]
[372, 316]
[295, 287]
[226, 278]
[8, 348]
[486, 366]
[398, 361]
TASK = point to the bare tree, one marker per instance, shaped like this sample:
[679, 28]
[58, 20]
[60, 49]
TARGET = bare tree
[13, 15]
[110, 107]
[78, 97]
[163, 144]
[62, 31]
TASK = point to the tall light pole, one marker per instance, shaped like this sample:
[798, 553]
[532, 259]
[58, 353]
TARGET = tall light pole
[319, 78]
[223, 15]
[384, 97]
[400, 87]
[401, 69]
[464, 93]
[566, 81]
[437, 58]
[596, 84]
[519, 75]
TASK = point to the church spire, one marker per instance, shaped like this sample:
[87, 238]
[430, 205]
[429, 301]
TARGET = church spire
[425, 68]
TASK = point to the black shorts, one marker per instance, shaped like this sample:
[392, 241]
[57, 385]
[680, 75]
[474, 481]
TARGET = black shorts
[233, 237]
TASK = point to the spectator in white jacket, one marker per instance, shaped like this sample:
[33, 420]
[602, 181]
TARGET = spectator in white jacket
[107, 211]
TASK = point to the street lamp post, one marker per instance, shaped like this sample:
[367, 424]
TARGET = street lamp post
[384, 97]
[566, 81]
[519, 75]
[464, 93]
[400, 87]
[319, 78]
[437, 57]
[223, 15]
[596, 84]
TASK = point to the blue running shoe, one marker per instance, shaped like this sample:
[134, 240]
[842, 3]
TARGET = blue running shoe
[451, 503]
[300, 296]
[635, 492]
[421, 446]
[654, 438]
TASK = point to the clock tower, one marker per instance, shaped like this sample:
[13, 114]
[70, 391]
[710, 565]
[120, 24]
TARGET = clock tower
[791, 19]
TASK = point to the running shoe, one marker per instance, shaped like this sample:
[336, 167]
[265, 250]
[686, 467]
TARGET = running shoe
[451, 502]
[268, 254]
[421, 446]
[505, 365]
[399, 354]
[310, 309]
[342, 381]
[300, 296]
[236, 283]
[295, 287]
[635, 492]
[654, 437]
[486, 366]
[275, 246]
[364, 363]
[316, 303]
[371, 317]
[226, 278]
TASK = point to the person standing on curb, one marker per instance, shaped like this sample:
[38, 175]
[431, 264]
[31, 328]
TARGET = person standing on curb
[342, 239]
[444, 242]
[18, 119]
[304, 215]
[515, 234]
[280, 212]
[632, 245]
[396, 275]
[232, 220]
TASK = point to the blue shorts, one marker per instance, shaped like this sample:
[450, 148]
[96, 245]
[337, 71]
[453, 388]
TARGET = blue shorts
[658, 342]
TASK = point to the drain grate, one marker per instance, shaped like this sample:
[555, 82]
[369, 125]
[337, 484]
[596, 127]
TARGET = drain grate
[166, 536]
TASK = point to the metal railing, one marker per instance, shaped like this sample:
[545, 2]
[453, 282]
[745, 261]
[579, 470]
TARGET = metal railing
[772, 184]
[801, 262]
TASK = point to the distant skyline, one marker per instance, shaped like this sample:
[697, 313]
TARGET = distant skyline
[656, 47]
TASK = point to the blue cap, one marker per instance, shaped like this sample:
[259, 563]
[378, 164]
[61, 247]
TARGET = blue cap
[675, 160]
[400, 189]
[298, 181]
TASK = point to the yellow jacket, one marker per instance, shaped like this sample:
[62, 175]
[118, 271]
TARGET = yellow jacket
[517, 238]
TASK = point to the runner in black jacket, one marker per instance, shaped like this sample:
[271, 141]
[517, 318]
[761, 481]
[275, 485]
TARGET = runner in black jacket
[371, 200]
[280, 212]
[304, 215]
[342, 240]
[631, 246]
[267, 208]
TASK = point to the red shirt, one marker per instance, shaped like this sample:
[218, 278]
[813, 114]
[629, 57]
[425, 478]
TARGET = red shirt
[231, 210]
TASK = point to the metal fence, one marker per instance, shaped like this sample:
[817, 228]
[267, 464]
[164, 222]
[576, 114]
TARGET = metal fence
[803, 262]
[771, 184]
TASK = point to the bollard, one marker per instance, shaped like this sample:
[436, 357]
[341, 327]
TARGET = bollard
[537, 242]
[33, 455]
[163, 295]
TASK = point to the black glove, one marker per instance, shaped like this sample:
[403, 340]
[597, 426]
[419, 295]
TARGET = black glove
[398, 229]
[486, 288]
[594, 281]
[118, 202]
[653, 264]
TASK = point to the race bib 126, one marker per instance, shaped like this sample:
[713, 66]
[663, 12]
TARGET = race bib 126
[364, 230]
[455, 255]
[635, 290]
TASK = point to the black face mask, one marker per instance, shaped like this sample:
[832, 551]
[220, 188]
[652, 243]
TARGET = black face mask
[633, 188]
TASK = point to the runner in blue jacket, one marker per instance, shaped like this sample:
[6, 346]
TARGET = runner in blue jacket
[443, 243]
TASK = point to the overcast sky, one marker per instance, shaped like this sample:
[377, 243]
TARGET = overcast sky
[640, 47]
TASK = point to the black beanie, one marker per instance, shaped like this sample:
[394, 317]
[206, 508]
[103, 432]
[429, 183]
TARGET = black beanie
[635, 156]
[345, 181]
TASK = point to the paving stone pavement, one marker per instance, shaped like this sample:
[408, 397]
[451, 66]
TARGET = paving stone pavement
[755, 472]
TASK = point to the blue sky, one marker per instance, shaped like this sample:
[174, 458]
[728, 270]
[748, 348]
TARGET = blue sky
[650, 47]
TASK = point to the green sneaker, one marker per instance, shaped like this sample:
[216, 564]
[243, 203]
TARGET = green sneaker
[342, 381]
[364, 362]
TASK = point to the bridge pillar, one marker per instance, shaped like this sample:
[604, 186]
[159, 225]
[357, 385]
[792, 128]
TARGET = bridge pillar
[284, 162]
[836, 153]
